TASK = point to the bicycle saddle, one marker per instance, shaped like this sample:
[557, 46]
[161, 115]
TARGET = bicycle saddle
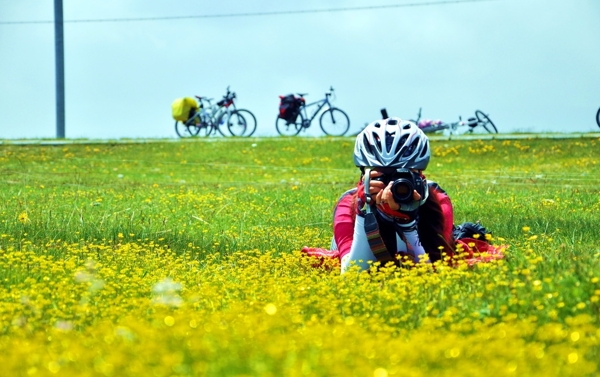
[302, 94]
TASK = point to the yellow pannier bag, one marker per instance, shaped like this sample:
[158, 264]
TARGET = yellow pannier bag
[181, 108]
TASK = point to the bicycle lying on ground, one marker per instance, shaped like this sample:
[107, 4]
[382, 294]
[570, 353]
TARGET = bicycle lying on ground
[480, 120]
[210, 119]
[598, 117]
[293, 115]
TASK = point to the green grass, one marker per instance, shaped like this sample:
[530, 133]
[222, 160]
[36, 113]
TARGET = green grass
[175, 191]
[226, 219]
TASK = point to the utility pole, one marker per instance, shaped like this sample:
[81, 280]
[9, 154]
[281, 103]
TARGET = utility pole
[60, 69]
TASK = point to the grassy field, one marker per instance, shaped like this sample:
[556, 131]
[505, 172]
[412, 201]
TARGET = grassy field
[180, 259]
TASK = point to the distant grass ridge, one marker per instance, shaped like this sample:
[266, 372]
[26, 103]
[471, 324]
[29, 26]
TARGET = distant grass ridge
[178, 259]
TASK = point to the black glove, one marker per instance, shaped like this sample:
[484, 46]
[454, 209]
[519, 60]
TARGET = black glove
[467, 230]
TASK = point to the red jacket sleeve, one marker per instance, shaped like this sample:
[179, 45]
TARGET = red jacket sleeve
[447, 210]
[344, 217]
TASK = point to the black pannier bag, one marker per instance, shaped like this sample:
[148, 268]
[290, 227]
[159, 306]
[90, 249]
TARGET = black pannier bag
[289, 108]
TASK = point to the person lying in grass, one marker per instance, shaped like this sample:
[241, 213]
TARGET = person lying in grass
[394, 212]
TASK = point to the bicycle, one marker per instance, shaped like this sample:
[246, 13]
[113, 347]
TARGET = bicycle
[598, 117]
[209, 119]
[333, 121]
[479, 120]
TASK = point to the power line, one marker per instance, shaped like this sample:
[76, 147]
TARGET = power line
[256, 14]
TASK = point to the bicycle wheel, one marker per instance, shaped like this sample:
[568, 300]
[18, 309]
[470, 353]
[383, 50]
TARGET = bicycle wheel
[334, 122]
[184, 131]
[486, 122]
[205, 130]
[598, 117]
[285, 128]
[245, 128]
[236, 123]
[219, 124]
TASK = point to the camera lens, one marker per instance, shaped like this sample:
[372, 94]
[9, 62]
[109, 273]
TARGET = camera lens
[402, 190]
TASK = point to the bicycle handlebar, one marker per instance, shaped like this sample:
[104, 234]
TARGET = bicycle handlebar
[331, 93]
[229, 95]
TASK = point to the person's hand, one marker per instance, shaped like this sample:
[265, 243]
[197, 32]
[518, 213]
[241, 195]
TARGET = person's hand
[375, 187]
[385, 198]
[386, 204]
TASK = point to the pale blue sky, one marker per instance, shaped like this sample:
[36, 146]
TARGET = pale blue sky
[533, 65]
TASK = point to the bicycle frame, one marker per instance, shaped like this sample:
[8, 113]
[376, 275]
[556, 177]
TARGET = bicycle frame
[209, 115]
[321, 104]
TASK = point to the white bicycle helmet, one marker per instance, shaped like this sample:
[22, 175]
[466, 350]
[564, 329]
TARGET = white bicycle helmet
[394, 143]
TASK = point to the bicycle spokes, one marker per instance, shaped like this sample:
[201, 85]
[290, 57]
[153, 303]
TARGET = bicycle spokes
[237, 124]
[334, 122]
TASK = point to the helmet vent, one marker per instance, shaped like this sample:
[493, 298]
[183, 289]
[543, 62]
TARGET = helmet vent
[411, 148]
[401, 143]
[368, 145]
[424, 151]
[406, 127]
[389, 140]
[392, 122]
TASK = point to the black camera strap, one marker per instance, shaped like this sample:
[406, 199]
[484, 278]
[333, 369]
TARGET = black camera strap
[374, 238]
[376, 243]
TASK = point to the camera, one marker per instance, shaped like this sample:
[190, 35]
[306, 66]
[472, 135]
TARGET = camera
[404, 182]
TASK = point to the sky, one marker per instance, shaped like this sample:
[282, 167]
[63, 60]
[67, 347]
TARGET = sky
[532, 65]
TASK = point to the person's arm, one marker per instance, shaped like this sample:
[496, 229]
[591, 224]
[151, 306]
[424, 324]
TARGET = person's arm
[349, 233]
[411, 236]
[360, 251]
